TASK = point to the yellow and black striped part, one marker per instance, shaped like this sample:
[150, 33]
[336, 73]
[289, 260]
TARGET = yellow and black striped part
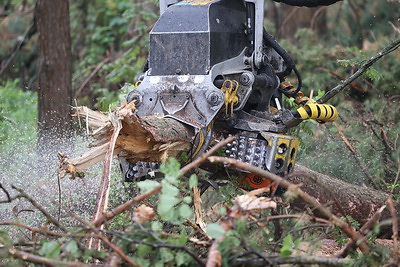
[320, 112]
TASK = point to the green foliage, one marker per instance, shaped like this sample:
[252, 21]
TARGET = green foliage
[288, 245]
[106, 99]
[395, 187]
[14, 23]
[171, 169]
[66, 249]
[147, 185]
[4, 238]
[215, 230]
[18, 113]
[50, 249]
[73, 250]
[354, 223]
[341, 238]
[172, 206]
[228, 247]
[193, 181]
[371, 73]
[355, 22]
[374, 258]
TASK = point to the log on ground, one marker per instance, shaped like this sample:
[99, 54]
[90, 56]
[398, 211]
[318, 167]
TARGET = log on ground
[344, 199]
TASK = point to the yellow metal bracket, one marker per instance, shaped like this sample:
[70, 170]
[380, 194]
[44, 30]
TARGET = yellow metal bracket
[230, 89]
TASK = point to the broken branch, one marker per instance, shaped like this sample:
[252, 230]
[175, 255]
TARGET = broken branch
[25, 256]
[123, 207]
[334, 91]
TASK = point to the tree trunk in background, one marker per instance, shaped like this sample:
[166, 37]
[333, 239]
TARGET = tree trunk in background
[292, 18]
[55, 70]
[82, 7]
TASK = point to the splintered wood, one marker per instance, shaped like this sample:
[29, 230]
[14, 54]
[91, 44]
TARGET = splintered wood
[151, 138]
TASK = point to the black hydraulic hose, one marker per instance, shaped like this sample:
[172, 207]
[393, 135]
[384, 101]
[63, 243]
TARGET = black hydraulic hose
[299, 83]
[308, 3]
[270, 41]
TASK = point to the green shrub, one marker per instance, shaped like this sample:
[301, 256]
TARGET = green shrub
[18, 113]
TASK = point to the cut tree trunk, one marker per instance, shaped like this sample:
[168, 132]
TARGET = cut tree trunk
[150, 138]
[157, 138]
[344, 199]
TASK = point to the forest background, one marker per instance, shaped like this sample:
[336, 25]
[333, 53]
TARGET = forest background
[109, 42]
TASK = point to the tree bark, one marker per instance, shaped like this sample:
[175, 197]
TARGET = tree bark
[341, 197]
[55, 70]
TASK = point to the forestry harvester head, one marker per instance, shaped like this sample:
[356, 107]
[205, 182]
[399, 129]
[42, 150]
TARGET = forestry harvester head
[214, 67]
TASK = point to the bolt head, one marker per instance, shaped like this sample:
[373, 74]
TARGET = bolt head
[213, 99]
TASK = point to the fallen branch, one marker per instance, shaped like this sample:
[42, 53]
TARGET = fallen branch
[6, 192]
[334, 91]
[25, 256]
[199, 231]
[9, 197]
[353, 85]
[40, 208]
[42, 231]
[214, 258]
[260, 257]
[196, 163]
[298, 260]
